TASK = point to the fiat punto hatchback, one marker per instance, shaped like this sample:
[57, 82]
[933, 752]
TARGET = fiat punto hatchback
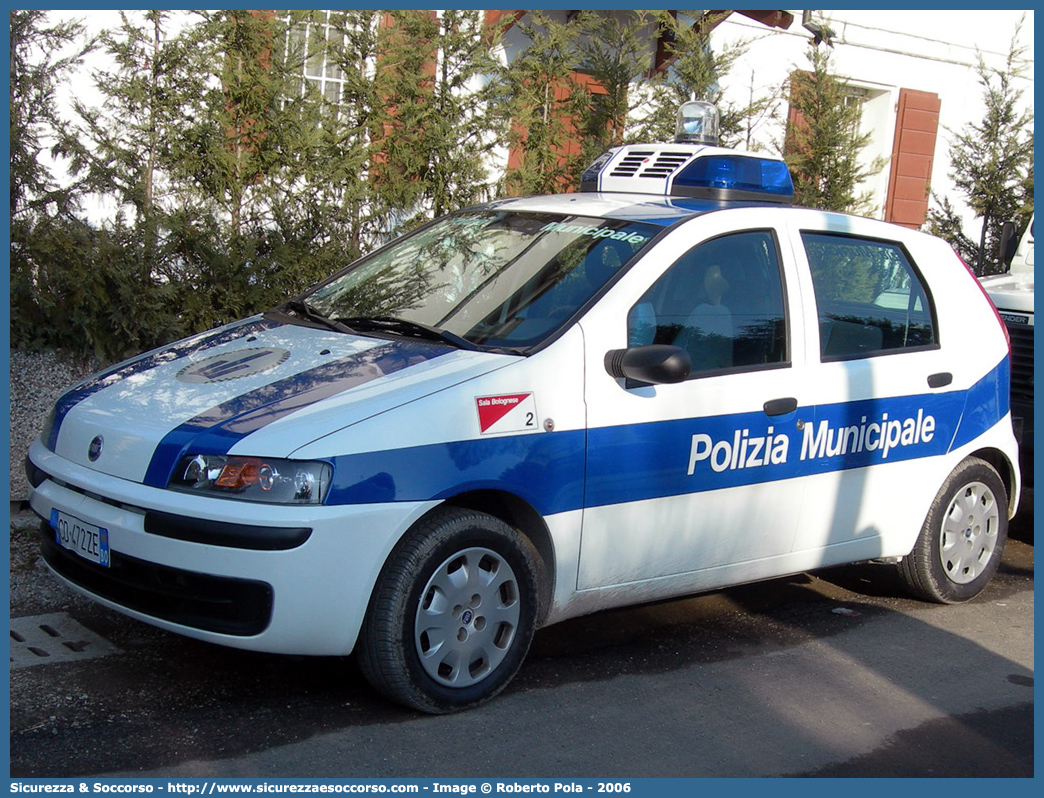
[668, 383]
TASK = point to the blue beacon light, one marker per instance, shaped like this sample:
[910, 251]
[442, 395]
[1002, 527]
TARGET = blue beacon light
[743, 173]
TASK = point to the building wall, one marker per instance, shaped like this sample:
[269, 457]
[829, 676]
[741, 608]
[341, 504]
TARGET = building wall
[885, 52]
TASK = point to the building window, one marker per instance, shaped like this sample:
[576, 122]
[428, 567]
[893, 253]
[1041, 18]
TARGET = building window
[313, 43]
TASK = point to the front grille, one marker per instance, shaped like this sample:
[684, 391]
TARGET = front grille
[1021, 362]
[221, 604]
[34, 473]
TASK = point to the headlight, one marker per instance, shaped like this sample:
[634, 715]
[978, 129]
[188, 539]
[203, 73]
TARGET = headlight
[255, 479]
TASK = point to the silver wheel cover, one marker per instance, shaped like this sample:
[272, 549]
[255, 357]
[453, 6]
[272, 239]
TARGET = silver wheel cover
[969, 533]
[467, 618]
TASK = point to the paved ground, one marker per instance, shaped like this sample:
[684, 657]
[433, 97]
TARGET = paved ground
[826, 675]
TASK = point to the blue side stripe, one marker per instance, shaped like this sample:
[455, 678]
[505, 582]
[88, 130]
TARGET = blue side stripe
[149, 360]
[749, 448]
[545, 469]
[986, 402]
[630, 463]
[218, 429]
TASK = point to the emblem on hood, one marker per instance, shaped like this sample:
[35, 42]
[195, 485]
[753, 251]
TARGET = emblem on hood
[95, 449]
[233, 365]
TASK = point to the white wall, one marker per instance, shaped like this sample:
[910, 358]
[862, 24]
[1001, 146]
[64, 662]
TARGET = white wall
[934, 51]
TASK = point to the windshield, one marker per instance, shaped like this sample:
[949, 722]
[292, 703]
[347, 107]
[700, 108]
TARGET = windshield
[496, 279]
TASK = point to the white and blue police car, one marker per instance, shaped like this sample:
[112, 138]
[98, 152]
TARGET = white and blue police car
[537, 408]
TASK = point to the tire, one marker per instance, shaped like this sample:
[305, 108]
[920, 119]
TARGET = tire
[452, 614]
[962, 540]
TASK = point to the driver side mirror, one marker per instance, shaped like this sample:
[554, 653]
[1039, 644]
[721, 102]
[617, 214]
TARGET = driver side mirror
[655, 364]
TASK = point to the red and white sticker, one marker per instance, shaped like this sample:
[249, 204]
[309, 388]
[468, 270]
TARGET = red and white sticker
[513, 412]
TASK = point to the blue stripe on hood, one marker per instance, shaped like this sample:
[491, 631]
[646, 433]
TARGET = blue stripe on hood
[217, 430]
[151, 360]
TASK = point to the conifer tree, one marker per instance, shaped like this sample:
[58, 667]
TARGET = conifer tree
[695, 71]
[467, 113]
[42, 224]
[614, 51]
[945, 222]
[547, 106]
[127, 148]
[992, 163]
[441, 116]
[37, 68]
[250, 155]
[332, 199]
[823, 144]
[240, 121]
[130, 150]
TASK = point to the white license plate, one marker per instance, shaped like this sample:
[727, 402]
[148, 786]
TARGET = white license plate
[89, 541]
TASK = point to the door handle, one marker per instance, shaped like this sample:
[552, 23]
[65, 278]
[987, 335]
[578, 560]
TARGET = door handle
[780, 407]
[940, 380]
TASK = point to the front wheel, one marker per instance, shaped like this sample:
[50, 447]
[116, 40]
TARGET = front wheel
[962, 540]
[452, 614]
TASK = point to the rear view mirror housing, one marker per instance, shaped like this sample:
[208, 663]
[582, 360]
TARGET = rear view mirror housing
[1009, 242]
[655, 364]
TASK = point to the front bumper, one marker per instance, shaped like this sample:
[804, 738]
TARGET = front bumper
[291, 580]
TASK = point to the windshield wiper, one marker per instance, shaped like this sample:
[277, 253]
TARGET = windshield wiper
[299, 307]
[356, 325]
[410, 329]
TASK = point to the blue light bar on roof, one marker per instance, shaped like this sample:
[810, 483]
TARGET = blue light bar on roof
[690, 170]
[726, 176]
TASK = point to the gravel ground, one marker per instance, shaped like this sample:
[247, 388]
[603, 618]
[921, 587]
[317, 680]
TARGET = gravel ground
[37, 380]
[34, 591]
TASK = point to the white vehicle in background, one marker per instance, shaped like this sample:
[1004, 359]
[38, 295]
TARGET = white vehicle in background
[1012, 295]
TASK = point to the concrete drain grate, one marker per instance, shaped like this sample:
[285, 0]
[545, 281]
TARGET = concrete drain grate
[44, 639]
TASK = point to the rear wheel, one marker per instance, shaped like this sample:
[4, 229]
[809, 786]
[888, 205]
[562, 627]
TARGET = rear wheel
[962, 540]
[452, 614]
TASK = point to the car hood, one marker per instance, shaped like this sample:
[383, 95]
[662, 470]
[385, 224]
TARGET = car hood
[1010, 292]
[242, 387]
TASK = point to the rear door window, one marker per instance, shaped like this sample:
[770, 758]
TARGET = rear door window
[870, 298]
